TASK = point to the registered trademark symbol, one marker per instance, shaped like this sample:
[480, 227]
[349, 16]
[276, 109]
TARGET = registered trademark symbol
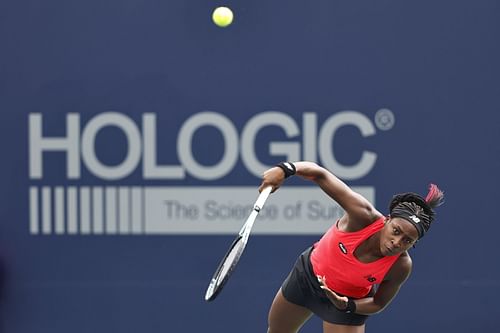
[384, 119]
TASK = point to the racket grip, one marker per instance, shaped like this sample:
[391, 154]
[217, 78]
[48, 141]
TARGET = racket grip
[262, 198]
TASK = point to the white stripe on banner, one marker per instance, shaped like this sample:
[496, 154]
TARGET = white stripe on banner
[59, 210]
[97, 210]
[136, 210]
[124, 210]
[84, 210]
[34, 215]
[46, 210]
[165, 210]
[72, 208]
[111, 224]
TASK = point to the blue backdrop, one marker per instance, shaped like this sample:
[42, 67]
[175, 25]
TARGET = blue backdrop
[434, 65]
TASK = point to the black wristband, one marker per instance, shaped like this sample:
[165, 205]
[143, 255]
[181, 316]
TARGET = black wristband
[351, 306]
[288, 168]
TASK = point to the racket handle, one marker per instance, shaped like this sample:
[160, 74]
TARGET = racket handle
[262, 198]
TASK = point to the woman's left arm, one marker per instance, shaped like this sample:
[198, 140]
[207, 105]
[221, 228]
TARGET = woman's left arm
[387, 290]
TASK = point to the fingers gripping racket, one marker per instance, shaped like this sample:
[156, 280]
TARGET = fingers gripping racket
[233, 255]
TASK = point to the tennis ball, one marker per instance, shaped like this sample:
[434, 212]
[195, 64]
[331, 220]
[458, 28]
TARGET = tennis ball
[222, 16]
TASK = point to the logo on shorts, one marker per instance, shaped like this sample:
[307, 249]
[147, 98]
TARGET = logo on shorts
[342, 248]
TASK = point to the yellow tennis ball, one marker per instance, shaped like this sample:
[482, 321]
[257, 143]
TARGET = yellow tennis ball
[222, 16]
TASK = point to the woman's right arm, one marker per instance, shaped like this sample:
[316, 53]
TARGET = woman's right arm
[356, 206]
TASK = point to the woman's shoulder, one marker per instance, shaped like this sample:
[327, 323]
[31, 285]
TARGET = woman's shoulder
[350, 223]
[405, 260]
[401, 269]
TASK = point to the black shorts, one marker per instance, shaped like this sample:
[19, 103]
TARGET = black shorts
[301, 287]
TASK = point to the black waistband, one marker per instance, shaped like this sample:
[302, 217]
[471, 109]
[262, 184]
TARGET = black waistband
[311, 278]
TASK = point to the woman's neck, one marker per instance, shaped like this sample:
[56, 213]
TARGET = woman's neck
[369, 249]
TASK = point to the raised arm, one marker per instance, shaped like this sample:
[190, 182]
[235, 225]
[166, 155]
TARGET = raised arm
[359, 210]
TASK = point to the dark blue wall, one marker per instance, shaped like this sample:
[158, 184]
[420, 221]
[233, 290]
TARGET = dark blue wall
[433, 64]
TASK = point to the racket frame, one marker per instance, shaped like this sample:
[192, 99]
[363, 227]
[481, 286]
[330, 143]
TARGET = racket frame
[216, 285]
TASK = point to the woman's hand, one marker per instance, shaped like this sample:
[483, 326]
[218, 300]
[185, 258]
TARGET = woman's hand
[340, 302]
[272, 177]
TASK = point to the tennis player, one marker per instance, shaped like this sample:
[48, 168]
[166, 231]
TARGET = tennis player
[359, 264]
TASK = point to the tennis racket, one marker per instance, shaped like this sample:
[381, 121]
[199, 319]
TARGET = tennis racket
[233, 255]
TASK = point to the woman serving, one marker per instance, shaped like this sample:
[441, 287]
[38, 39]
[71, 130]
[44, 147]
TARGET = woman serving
[359, 264]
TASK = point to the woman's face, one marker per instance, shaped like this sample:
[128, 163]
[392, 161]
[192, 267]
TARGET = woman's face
[398, 235]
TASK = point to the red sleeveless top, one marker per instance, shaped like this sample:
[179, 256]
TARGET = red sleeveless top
[333, 257]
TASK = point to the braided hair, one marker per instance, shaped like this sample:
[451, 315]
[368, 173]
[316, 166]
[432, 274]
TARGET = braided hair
[417, 210]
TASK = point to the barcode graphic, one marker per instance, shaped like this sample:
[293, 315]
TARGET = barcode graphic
[86, 210]
[178, 210]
